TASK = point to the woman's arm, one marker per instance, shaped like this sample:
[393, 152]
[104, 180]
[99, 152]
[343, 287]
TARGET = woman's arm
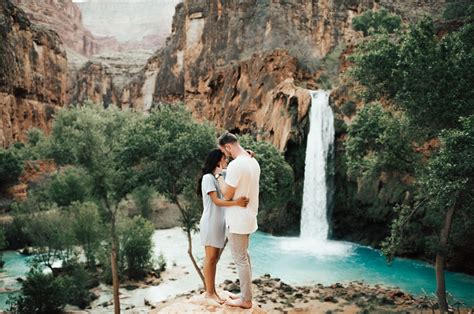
[242, 201]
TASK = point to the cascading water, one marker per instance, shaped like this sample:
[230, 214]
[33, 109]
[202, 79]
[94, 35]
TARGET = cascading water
[319, 149]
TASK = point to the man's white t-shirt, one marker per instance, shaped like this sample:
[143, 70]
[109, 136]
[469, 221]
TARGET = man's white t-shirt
[243, 173]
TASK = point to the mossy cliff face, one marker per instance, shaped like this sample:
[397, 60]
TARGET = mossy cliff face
[33, 75]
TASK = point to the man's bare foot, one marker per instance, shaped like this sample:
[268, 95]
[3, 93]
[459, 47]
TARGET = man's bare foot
[231, 295]
[239, 303]
[214, 297]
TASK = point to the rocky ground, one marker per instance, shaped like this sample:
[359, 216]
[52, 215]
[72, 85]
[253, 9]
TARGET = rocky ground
[271, 295]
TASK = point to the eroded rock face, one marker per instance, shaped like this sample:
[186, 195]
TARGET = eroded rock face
[33, 75]
[227, 60]
[65, 18]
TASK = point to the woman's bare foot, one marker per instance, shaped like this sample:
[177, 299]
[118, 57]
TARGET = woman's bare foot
[239, 303]
[214, 297]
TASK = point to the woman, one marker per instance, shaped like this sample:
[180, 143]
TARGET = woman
[212, 224]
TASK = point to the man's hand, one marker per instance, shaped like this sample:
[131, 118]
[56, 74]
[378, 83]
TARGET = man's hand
[250, 152]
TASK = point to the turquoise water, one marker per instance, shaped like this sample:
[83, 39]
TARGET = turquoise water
[297, 262]
[294, 260]
[15, 266]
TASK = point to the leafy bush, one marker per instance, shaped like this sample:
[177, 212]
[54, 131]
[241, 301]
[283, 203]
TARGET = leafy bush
[458, 10]
[426, 76]
[136, 245]
[88, 229]
[41, 293]
[78, 282]
[373, 22]
[378, 141]
[11, 167]
[71, 185]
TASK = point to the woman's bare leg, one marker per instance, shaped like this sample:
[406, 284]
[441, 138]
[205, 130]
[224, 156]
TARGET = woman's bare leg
[210, 265]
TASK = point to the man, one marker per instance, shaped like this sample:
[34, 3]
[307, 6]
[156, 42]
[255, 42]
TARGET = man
[242, 179]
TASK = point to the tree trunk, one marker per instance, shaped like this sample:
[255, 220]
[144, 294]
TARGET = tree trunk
[191, 256]
[115, 277]
[190, 242]
[441, 260]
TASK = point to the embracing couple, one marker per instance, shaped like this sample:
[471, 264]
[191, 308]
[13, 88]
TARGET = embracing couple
[230, 201]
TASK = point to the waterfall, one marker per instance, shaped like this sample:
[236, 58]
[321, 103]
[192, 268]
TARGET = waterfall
[317, 191]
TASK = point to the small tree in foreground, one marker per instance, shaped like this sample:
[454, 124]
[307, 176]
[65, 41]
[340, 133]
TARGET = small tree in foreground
[167, 151]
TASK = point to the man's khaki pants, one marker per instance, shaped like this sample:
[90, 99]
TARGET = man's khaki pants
[239, 244]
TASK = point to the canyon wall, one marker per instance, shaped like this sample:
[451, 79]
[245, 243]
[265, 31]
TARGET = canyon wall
[65, 18]
[33, 75]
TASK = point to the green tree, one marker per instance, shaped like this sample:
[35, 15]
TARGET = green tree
[11, 167]
[167, 150]
[52, 236]
[427, 81]
[426, 76]
[448, 183]
[379, 140]
[88, 229]
[137, 246]
[373, 22]
[41, 293]
[91, 137]
[71, 185]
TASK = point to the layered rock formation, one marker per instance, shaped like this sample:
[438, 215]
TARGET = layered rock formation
[33, 75]
[230, 61]
[65, 18]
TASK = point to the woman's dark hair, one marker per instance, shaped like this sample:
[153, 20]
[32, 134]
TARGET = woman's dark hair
[211, 162]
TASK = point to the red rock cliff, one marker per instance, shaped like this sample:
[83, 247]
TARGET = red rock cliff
[33, 74]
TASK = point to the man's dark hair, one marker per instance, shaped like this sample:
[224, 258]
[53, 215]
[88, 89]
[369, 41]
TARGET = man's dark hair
[227, 138]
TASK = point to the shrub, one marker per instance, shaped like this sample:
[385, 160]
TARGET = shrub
[72, 185]
[11, 167]
[41, 293]
[136, 245]
[372, 22]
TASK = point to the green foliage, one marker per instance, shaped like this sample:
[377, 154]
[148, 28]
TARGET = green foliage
[90, 137]
[374, 22]
[143, 197]
[71, 185]
[11, 167]
[276, 180]
[88, 229]
[458, 10]
[78, 281]
[426, 76]
[378, 141]
[136, 245]
[41, 293]
[448, 179]
[45, 293]
[3, 244]
[166, 150]
[349, 108]
[52, 234]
